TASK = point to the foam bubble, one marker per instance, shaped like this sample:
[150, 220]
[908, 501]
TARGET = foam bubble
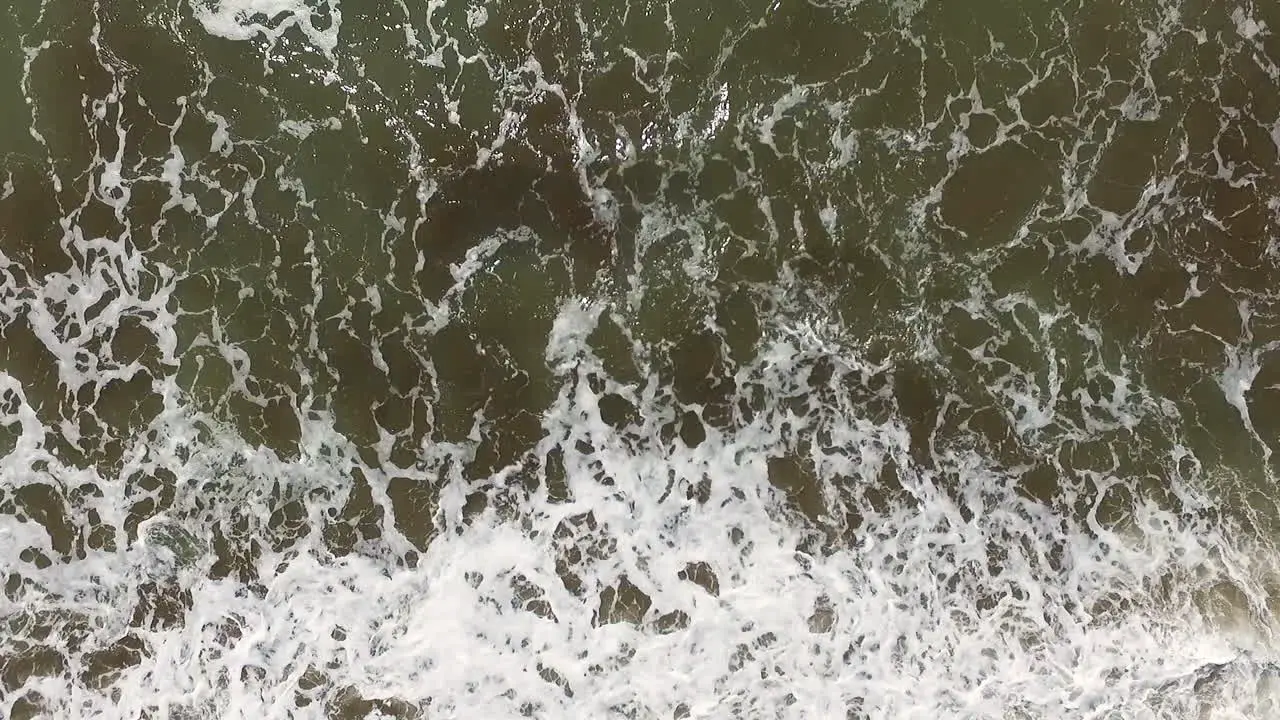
[247, 19]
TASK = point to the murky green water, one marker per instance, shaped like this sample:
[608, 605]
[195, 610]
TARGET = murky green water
[639, 359]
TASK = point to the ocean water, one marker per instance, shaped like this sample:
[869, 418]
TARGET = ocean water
[495, 359]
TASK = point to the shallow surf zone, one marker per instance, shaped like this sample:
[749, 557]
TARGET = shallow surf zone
[617, 361]
[618, 571]
[615, 571]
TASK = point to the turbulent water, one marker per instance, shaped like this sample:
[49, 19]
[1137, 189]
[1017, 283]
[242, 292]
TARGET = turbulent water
[639, 359]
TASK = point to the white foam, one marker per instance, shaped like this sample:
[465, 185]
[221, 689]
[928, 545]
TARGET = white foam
[1246, 25]
[247, 19]
[947, 605]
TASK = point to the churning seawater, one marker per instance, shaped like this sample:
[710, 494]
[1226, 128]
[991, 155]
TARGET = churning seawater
[639, 359]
